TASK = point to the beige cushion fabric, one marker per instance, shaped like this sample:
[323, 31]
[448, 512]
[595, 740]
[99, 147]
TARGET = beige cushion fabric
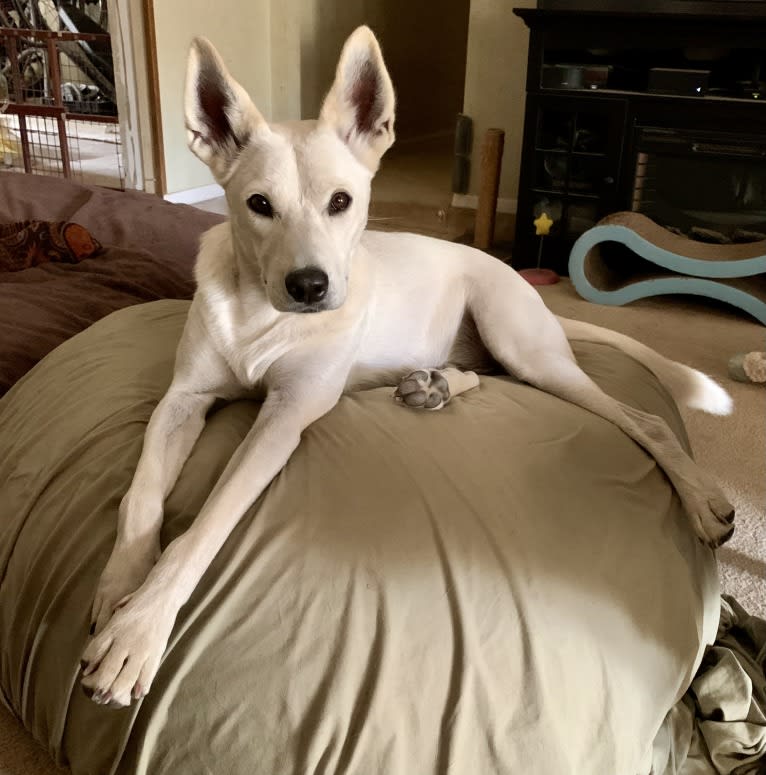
[508, 585]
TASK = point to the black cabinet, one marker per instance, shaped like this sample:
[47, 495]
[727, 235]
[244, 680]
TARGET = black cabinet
[599, 84]
[570, 170]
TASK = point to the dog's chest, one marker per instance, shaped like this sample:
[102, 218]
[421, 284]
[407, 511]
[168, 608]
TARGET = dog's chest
[252, 338]
[252, 347]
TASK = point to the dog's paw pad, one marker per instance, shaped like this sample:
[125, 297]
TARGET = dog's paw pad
[423, 389]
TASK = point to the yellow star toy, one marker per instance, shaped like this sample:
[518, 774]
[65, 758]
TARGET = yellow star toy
[543, 225]
[539, 276]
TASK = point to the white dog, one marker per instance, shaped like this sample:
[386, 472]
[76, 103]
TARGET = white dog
[297, 301]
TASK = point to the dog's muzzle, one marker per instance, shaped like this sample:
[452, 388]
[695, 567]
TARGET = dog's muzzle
[307, 286]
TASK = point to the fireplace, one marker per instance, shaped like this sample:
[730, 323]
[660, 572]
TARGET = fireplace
[654, 110]
[710, 186]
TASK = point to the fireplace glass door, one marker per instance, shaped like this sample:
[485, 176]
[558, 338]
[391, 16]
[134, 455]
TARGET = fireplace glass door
[576, 158]
[710, 186]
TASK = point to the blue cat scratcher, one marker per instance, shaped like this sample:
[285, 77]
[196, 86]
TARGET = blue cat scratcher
[735, 274]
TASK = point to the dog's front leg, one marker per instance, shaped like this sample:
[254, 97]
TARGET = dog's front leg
[122, 660]
[173, 429]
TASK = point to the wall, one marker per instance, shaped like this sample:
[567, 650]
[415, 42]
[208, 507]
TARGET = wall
[284, 53]
[495, 92]
[424, 45]
[325, 25]
[242, 34]
[126, 22]
[287, 20]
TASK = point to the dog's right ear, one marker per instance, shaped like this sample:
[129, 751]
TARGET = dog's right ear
[220, 116]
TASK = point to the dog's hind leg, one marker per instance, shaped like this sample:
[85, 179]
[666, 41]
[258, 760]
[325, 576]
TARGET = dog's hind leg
[527, 340]
[433, 388]
[711, 513]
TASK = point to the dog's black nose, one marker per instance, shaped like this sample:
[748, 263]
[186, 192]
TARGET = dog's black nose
[307, 285]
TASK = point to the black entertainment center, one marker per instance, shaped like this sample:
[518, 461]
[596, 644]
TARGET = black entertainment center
[707, 7]
[657, 109]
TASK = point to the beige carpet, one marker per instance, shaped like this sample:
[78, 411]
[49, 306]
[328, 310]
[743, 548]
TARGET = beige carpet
[734, 448]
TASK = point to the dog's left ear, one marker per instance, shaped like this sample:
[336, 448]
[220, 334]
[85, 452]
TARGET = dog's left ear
[361, 104]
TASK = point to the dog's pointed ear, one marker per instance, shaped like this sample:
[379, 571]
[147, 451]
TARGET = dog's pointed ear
[220, 116]
[360, 106]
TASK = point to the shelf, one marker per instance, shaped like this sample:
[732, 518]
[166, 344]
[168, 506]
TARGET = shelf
[564, 194]
[577, 154]
[650, 95]
[560, 192]
[584, 195]
[744, 17]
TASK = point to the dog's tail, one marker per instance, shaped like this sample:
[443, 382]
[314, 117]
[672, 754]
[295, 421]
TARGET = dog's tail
[688, 386]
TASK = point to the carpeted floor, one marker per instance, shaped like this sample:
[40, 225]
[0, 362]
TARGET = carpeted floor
[734, 448]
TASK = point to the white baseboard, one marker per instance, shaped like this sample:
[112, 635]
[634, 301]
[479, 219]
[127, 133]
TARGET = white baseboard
[471, 202]
[191, 196]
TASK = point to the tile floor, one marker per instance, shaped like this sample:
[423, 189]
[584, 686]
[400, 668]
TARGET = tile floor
[94, 147]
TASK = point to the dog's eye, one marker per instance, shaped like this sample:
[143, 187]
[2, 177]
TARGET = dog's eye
[259, 204]
[339, 202]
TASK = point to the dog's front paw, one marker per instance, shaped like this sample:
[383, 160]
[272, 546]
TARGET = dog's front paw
[423, 389]
[120, 663]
